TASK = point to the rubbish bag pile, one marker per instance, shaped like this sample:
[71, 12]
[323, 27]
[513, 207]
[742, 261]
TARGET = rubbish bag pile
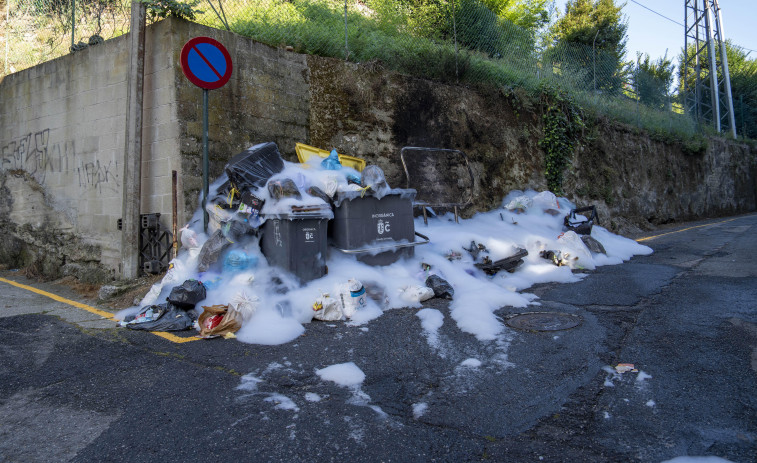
[224, 284]
[257, 186]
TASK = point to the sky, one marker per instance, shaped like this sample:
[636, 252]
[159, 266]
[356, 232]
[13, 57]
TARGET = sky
[650, 33]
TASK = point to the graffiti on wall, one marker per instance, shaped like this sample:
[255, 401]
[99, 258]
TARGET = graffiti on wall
[36, 154]
[98, 176]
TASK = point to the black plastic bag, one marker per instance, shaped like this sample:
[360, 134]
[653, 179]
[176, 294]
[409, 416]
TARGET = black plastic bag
[236, 230]
[253, 167]
[440, 286]
[187, 294]
[211, 251]
[283, 188]
[318, 193]
[166, 317]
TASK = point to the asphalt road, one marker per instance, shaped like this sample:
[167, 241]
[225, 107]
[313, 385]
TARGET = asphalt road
[74, 388]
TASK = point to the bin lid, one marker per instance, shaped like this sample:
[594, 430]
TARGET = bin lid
[403, 193]
[315, 211]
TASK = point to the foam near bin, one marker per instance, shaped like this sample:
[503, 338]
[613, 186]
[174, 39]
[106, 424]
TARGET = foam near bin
[371, 224]
[296, 241]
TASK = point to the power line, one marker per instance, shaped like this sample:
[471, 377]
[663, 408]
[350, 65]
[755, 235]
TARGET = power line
[676, 22]
[658, 14]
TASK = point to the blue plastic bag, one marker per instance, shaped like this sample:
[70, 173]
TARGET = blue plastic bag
[237, 260]
[332, 162]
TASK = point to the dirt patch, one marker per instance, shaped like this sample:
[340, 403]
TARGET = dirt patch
[86, 290]
[137, 290]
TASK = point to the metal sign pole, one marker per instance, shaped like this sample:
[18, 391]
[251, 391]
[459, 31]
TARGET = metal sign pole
[205, 189]
[207, 64]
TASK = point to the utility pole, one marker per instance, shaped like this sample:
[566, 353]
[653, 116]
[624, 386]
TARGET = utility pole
[706, 75]
[132, 179]
[594, 59]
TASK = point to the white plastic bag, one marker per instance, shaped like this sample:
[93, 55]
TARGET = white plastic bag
[189, 237]
[520, 203]
[327, 308]
[546, 200]
[174, 276]
[575, 252]
[416, 293]
[245, 304]
[352, 297]
[151, 295]
[329, 184]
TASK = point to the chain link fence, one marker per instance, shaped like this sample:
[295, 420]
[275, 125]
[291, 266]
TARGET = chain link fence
[455, 41]
[36, 31]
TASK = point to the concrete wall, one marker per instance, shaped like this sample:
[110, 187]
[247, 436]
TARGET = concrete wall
[62, 138]
[62, 128]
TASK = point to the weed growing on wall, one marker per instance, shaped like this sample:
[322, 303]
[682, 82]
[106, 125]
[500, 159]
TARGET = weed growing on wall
[563, 123]
[161, 9]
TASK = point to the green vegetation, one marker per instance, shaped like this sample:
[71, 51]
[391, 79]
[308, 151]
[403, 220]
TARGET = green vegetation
[40, 30]
[652, 80]
[563, 124]
[597, 24]
[160, 9]
[743, 72]
[501, 43]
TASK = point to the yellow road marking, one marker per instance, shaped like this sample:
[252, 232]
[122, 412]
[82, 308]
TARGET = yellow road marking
[94, 310]
[684, 229]
[173, 337]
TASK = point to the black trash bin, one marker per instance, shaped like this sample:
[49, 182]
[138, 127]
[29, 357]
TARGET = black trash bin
[377, 230]
[296, 241]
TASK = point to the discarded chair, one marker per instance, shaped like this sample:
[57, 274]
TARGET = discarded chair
[436, 174]
[581, 226]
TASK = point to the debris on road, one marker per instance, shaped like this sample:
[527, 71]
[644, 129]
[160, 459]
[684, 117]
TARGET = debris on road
[287, 243]
[625, 368]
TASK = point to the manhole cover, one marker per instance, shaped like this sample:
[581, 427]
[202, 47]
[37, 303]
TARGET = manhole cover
[543, 321]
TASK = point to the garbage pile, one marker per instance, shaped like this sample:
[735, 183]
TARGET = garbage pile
[263, 269]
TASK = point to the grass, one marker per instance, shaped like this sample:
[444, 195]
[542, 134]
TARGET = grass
[392, 36]
[34, 38]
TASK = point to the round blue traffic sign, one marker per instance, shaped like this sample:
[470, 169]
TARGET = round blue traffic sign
[206, 63]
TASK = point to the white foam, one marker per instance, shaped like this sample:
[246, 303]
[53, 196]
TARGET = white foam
[282, 402]
[343, 374]
[268, 327]
[471, 363]
[689, 459]
[312, 397]
[280, 317]
[419, 409]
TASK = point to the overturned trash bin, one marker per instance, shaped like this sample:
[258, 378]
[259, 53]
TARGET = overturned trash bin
[378, 230]
[296, 240]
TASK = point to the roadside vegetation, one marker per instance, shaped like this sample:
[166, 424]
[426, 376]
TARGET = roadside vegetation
[508, 44]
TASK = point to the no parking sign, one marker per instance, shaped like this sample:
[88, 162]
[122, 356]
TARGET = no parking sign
[206, 63]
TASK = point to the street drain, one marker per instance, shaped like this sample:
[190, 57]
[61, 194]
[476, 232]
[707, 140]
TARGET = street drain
[543, 321]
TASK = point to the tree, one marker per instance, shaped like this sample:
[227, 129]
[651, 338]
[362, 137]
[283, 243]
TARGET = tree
[592, 35]
[527, 14]
[652, 80]
[743, 74]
